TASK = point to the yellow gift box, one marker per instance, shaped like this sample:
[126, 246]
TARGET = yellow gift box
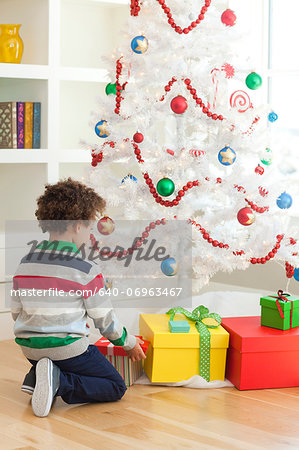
[173, 357]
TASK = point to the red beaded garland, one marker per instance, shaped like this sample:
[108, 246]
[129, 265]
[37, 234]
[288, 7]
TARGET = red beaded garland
[256, 208]
[290, 270]
[138, 241]
[270, 255]
[118, 97]
[207, 237]
[167, 11]
[96, 158]
[135, 8]
[198, 100]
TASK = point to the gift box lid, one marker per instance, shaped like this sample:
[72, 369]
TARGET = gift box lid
[155, 328]
[248, 335]
[107, 348]
[270, 302]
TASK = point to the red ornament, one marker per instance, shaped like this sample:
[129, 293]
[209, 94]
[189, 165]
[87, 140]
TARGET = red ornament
[245, 216]
[179, 104]
[259, 170]
[106, 225]
[138, 137]
[229, 18]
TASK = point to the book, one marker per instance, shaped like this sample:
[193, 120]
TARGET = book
[36, 125]
[20, 124]
[14, 124]
[28, 126]
[6, 125]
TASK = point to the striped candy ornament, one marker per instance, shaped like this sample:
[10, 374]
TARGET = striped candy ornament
[196, 153]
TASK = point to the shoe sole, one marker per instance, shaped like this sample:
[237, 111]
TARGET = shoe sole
[43, 394]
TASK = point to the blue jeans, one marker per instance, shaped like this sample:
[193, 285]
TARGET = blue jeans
[89, 378]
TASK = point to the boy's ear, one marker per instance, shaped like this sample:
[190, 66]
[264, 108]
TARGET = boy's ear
[75, 227]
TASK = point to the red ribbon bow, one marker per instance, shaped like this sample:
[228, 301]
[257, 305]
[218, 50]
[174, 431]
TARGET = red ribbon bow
[281, 296]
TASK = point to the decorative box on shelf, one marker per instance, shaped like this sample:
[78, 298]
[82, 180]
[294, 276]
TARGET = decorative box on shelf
[173, 357]
[129, 370]
[261, 357]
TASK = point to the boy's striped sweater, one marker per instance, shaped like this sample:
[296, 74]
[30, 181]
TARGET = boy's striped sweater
[54, 291]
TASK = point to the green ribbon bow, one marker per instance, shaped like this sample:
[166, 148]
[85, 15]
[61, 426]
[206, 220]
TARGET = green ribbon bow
[198, 315]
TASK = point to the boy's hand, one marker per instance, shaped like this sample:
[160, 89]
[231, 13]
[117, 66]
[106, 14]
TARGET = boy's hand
[136, 353]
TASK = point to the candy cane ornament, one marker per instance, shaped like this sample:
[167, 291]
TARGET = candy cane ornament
[229, 71]
[215, 73]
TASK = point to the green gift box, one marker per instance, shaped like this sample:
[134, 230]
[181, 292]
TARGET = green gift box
[281, 311]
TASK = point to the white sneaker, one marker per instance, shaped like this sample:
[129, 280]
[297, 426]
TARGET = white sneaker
[47, 384]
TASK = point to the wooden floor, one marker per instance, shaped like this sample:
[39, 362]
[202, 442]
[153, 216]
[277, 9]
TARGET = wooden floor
[148, 417]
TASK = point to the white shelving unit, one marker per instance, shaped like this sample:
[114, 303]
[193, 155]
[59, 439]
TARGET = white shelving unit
[55, 75]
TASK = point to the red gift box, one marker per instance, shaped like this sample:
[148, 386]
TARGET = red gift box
[261, 357]
[107, 348]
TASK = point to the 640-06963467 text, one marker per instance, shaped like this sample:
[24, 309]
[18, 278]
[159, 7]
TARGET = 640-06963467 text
[114, 292]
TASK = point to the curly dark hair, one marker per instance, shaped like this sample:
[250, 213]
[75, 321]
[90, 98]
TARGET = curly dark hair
[67, 201]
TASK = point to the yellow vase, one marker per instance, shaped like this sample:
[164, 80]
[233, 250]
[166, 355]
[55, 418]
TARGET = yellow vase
[11, 45]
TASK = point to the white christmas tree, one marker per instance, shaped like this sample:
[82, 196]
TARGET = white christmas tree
[191, 145]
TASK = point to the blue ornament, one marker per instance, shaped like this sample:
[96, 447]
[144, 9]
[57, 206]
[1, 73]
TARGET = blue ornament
[284, 201]
[169, 267]
[129, 177]
[101, 129]
[227, 156]
[272, 117]
[139, 44]
[296, 274]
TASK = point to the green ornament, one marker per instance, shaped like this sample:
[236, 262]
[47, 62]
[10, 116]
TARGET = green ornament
[165, 187]
[254, 81]
[267, 156]
[111, 89]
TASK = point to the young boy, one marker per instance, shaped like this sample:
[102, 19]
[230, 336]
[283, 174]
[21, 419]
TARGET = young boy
[51, 326]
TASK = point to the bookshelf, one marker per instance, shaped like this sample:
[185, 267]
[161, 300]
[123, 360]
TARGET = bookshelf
[61, 67]
[66, 60]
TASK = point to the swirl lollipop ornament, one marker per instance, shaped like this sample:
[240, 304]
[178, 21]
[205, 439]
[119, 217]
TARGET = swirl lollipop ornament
[240, 100]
